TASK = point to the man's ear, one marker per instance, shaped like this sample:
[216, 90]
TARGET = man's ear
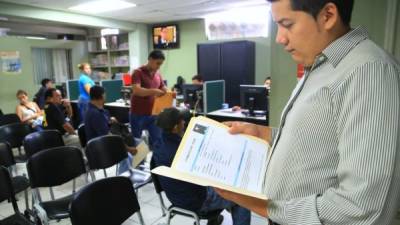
[329, 16]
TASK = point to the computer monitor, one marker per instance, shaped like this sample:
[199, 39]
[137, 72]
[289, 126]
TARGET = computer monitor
[126, 93]
[112, 89]
[254, 99]
[193, 96]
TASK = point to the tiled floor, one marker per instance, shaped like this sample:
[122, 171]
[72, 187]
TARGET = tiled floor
[148, 200]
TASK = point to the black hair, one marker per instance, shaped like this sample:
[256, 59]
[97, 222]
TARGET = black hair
[45, 81]
[268, 78]
[157, 54]
[49, 93]
[180, 80]
[197, 77]
[314, 7]
[96, 92]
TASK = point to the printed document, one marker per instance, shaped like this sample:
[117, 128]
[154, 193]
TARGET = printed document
[210, 156]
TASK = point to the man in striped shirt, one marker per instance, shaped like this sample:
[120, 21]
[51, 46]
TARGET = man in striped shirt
[335, 157]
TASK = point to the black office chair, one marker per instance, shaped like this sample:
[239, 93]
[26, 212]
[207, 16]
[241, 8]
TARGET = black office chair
[158, 188]
[82, 135]
[49, 168]
[106, 151]
[19, 183]
[92, 206]
[7, 193]
[9, 118]
[41, 140]
[14, 134]
[213, 217]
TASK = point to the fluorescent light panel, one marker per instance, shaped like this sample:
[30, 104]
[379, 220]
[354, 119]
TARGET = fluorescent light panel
[35, 38]
[102, 6]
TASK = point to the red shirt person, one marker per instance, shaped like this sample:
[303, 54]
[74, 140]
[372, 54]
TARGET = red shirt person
[147, 84]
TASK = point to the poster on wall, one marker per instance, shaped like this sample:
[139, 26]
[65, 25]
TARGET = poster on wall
[10, 62]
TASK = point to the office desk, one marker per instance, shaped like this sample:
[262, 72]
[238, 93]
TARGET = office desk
[223, 115]
[118, 110]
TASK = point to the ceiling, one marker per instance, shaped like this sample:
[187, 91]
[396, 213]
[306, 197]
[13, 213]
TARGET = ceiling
[152, 11]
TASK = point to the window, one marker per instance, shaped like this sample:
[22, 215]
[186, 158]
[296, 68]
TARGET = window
[54, 64]
[238, 23]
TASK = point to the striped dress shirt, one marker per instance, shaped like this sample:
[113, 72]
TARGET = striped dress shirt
[335, 158]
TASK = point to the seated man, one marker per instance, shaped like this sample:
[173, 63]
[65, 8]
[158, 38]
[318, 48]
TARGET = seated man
[54, 118]
[182, 194]
[39, 96]
[98, 121]
[197, 80]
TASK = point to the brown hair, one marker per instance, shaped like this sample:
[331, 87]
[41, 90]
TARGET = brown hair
[21, 92]
[82, 65]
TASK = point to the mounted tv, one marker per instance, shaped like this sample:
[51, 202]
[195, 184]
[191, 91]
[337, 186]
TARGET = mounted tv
[166, 36]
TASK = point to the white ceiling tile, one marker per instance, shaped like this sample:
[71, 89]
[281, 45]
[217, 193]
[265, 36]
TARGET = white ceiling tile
[151, 11]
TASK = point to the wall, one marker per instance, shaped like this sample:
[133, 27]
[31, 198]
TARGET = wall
[183, 61]
[372, 15]
[397, 38]
[270, 57]
[9, 84]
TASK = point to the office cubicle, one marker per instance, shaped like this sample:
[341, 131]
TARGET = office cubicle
[112, 89]
[72, 89]
[213, 95]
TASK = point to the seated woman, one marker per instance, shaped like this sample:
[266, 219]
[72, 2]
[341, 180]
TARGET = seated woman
[28, 111]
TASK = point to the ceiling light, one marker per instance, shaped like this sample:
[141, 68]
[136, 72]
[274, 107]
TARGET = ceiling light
[35, 38]
[102, 6]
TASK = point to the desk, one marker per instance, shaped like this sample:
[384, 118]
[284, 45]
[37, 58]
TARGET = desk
[118, 110]
[228, 115]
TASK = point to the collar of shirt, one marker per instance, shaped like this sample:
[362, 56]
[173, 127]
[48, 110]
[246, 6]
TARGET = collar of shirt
[147, 72]
[95, 107]
[338, 49]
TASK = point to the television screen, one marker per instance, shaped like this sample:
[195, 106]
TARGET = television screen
[165, 37]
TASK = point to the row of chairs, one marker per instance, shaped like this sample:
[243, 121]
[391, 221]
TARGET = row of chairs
[101, 159]
[63, 164]
[89, 206]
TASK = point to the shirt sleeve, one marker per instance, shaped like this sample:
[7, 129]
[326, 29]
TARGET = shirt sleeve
[368, 170]
[162, 85]
[136, 77]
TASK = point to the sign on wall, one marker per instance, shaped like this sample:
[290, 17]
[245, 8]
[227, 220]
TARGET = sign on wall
[10, 62]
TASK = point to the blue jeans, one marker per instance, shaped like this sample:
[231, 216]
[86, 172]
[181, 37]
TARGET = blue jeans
[83, 105]
[140, 123]
[240, 215]
[125, 165]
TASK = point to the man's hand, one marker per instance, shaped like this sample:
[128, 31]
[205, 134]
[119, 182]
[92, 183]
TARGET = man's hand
[262, 132]
[131, 150]
[158, 92]
[113, 120]
[66, 103]
[256, 205]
